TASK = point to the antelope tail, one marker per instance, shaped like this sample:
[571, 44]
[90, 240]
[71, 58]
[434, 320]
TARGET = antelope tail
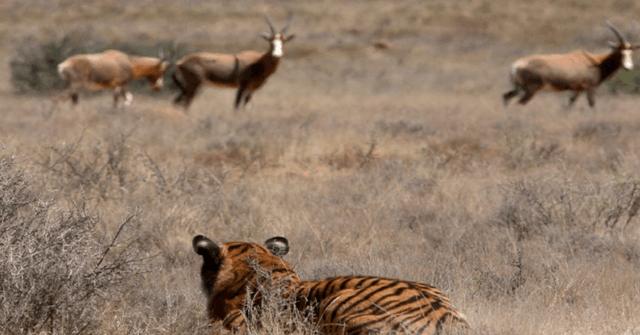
[65, 73]
[62, 71]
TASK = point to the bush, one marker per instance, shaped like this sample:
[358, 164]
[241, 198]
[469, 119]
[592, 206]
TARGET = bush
[55, 271]
[625, 82]
[34, 65]
[275, 312]
[587, 209]
[102, 169]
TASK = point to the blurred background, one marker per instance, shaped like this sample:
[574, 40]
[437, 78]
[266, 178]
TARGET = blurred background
[380, 146]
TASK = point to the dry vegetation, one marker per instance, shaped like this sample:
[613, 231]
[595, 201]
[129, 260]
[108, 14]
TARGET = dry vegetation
[371, 154]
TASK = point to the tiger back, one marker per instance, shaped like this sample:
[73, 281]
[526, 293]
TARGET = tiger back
[365, 305]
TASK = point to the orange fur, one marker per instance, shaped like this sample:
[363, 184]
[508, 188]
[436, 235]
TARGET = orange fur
[343, 305]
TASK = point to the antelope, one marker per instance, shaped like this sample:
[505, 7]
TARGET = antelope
[111, 69]
[578, 71]
[247, 71]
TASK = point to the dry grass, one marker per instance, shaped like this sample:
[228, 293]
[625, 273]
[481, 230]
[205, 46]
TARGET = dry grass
[370, 160]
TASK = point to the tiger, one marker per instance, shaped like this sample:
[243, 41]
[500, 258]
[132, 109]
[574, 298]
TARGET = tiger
[342, 305]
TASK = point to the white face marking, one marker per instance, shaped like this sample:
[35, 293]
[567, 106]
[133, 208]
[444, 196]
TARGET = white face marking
[277, 46]
[627, 61]
[159, 82]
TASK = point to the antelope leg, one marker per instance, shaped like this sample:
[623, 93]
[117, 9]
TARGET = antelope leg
[247, 98]
[116, 96]
[509, 95]
[239, 96]
[128, 98]
[74, 97]
[574, 97]
[591, 97]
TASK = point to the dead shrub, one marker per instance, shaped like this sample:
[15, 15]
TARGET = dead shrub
[400, 128]
[350, 157]
[622, 206]
[103, 169]
[597, 131]
[272, 311]
[56, 272]
[457, 153]
[542, 207]
[526, 150]
[245, 154]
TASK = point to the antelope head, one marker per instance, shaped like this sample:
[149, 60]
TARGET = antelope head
[157, 74]
[623, 47]
[277, 39]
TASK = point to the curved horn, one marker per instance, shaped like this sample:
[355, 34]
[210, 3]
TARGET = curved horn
[286, 26]
[617, 32]
[273, 30]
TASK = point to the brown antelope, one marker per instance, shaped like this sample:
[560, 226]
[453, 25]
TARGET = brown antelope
[578, 71]
[247, 71]
[111, 69]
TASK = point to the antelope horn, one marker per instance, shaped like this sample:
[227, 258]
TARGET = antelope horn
[273, 30]
[286, 26]
[266, 36]
[617, 32]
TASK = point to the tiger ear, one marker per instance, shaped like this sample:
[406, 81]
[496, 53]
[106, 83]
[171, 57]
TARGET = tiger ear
[278, 245]
[206, 248]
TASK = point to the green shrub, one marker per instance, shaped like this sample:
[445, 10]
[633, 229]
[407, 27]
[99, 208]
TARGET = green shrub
[625, 82]
[34, 65]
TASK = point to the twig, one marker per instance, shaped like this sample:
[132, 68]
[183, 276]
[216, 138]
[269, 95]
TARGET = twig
[369, 155]
[113, 242]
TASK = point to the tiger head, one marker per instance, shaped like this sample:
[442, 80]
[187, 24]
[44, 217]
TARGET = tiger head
[230, 269]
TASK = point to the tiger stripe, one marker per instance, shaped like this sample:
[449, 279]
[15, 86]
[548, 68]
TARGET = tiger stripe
[342, 305]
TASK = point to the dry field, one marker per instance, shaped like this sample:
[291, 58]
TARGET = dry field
[397, 161]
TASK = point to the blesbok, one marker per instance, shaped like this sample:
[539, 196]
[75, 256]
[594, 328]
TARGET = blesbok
[578, 71]
[111, 69]
[247, 71]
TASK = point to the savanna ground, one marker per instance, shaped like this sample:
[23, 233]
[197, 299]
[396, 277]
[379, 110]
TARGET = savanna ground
[379, 147]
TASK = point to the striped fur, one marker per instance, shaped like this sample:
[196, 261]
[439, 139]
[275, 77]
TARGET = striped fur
[364, 304]
[342, 305]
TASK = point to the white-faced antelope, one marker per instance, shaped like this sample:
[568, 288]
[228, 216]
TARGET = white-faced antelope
[247, 71]
[578, 71]
[111, 69]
